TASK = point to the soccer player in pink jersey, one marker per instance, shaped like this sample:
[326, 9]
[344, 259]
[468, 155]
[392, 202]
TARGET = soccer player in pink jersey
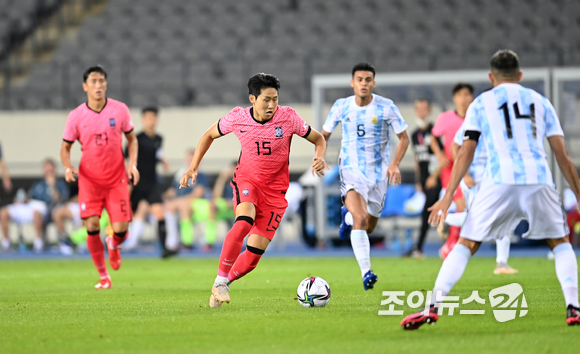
[99, 126]
[261, 177]
[446, 126]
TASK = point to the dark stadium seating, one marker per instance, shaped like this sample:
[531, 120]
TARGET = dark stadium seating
[184, 52]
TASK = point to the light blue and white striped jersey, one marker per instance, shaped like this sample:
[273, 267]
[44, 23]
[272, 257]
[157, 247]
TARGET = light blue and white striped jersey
[477, 167]
[514, 121]
[365, 134]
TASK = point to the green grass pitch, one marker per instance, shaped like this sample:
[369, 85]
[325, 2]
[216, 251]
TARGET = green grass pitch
[162, 307]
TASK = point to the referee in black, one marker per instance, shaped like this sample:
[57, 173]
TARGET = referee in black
[146, 197]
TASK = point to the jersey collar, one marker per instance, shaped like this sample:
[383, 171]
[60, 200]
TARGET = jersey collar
[106, 101]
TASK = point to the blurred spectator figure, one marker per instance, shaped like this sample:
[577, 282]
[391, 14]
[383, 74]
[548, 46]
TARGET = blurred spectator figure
[35, 207]
[146, 197]
[6, 182]
[185, 200]
[427, 170]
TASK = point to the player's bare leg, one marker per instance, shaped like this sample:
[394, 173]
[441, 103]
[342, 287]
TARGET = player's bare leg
[114, 241]
[5, 224]
[97, 251]
[245, 216]
[60, 215]
[359, 238]
[38, 227]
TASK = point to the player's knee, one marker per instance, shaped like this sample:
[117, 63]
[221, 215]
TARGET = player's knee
[4, 213]
[243, 219]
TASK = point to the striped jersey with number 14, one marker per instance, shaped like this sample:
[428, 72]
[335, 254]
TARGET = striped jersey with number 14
[513, 122]
[366, 134]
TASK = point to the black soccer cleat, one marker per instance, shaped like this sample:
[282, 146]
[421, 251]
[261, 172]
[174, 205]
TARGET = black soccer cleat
[572, 316]
[416, 320]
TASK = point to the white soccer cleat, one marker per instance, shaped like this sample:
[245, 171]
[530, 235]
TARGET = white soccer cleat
[221, 292]
[213, 302]
[504, 268]
[104, 284]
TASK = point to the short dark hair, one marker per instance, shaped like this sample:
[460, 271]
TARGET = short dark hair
[505, 63]
[462, 85]
[423, 99]
[94, 69]
[261, 81]
[363, 67]
[151, 109]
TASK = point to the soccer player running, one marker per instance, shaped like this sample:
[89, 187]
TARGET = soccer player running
[146, 197]
[513, 122]
[261, 178]
[99, 125]
[446, 127]
[469, 185]
[365, 172]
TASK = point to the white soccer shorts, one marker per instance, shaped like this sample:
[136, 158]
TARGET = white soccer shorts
[498, 208]
[373, 193]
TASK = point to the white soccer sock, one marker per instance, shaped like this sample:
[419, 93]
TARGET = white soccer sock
[348, 219]
[451, 270]
[172, 240]
[136, 230]
[502, 249]
[362, 249]
[220, 280]
[567, 272]
[456, 219]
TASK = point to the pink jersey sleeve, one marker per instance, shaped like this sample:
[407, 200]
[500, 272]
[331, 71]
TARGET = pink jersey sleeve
[71, 131]
[299, 126]
[439, 127]
[127, 122]
[226, 124]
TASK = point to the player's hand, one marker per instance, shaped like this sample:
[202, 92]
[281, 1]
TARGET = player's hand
[394, 175]
[184, 182]
[133, 174]
[469, 182]
[443, 160]
[431, 182]
[318, 166]
[70, 173]
[7, 183]
[439, 210]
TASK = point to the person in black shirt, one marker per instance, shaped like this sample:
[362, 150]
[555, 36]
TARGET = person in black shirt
[146, 197]
[426, 170]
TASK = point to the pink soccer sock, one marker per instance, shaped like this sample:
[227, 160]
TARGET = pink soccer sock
[97, 251]
[245, 263]
[118, 238]
[233, 244]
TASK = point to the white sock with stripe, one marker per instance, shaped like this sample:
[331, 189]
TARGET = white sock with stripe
[451, 270]
[567, 272]
[362, 249]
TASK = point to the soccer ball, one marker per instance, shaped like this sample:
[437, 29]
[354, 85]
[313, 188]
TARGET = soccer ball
[313, 292]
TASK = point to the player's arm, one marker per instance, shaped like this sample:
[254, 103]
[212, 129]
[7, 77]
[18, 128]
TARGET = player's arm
[418, 186]
[69, 170]
[204, 143]
[326, 135]
[566, 165]
[460, 167]
[393, 173]
[443, 160]
[133, 148]
[467, 178]
[319, 141]
[6, 182]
